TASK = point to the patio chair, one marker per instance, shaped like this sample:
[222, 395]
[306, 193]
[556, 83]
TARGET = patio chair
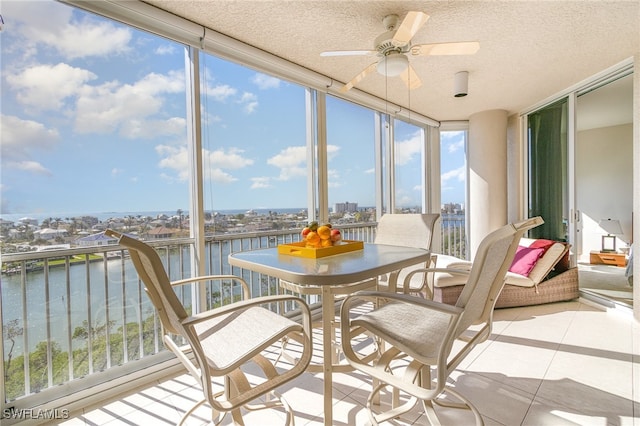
[417, 335]
[409, 230]
[224, 341]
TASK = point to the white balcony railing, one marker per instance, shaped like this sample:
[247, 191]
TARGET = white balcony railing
[76, 313]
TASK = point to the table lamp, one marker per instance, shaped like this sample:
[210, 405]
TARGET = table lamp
[612, 228]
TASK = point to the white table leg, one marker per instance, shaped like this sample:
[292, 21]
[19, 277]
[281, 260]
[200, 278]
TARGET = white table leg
[328, 311]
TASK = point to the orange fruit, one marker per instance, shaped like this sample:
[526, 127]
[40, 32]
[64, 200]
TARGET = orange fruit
[312, 237]
[326, 243]
[324, 231]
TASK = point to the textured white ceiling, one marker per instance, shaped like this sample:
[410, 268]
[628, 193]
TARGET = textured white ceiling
[529, 50]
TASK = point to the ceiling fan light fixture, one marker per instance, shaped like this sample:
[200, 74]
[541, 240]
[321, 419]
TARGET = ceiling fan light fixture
[393, 64]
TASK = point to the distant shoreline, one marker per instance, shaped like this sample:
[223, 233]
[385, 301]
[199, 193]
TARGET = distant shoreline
[102, 216]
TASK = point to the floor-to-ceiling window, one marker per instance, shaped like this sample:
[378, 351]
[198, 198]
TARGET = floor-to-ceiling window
[453, 178]
[93, 114]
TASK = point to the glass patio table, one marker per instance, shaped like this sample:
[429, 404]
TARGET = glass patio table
[329, 276]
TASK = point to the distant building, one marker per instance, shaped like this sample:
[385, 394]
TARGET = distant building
[99, 239]
[452, 208]
[50, 234]
[29, 221]
[345, 207]
[160, 232]
[6, 224]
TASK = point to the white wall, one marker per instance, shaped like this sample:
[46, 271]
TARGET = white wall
[604, 184]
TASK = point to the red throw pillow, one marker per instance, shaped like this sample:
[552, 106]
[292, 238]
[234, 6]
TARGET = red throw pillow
[525, 260]
[541, 243]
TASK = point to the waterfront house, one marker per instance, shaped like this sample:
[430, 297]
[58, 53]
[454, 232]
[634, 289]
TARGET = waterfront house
[99, 239]
[541, 65]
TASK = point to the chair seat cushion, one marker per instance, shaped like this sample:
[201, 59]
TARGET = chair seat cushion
[414, 329]
[230, 340]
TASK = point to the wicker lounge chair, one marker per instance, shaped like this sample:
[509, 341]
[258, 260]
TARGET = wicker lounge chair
[550, 280]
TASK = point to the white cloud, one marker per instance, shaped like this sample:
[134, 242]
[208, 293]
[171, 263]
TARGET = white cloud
[115, 171]
[21, 139]
[291, 161]
[452, 141]
[265, 82]
[90, 39]
[216, 162]
[128, 107]
[230, 159]
[249, 101]
[219, 176]
[165, 49]
[458, 174]
[333, 178]
[45, 87]
[261, 182]
[404, 200]
[407, 149]
[332, 151]
[175, 159]
[455, 146]
[31, 167]
[220, 92]
[54, 27]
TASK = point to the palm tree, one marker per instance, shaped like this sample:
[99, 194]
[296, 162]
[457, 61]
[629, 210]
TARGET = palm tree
[179, 213]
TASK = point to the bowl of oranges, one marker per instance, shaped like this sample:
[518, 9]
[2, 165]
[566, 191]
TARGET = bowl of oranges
[319, 241]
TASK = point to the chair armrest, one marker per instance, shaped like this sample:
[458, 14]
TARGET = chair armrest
[246, 304]
[405, 298]
[246, 292]
[407, 279]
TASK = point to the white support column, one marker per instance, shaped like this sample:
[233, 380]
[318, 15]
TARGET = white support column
[194, 141]
[487, 159]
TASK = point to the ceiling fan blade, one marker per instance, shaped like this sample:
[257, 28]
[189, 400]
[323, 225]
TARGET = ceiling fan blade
[358, 78]
[349, 53]
[410, 78]
[459, 48]
[409, 27]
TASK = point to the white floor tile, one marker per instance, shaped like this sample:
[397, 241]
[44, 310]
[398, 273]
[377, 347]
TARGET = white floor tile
[557, 364]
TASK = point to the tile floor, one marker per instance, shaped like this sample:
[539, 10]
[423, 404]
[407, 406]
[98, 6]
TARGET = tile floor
[567, 363]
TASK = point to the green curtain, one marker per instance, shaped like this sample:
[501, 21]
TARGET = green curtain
[548, 171]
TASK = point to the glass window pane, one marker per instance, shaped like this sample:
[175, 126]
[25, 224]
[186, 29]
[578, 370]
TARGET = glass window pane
[409, 159]
[254, 143]
[453, 167]
[93, 117]
[351, 162]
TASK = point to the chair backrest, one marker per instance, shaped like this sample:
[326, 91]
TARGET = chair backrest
[488, 271]
[409, 230]
[154, 276]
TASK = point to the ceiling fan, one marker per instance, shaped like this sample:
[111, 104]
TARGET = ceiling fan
[394, 45]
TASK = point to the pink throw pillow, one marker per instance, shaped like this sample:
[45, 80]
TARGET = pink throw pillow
[525, 260]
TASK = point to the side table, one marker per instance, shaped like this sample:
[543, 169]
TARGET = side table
[607, 258]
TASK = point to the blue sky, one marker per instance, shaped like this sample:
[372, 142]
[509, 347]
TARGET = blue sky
[93, 119]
